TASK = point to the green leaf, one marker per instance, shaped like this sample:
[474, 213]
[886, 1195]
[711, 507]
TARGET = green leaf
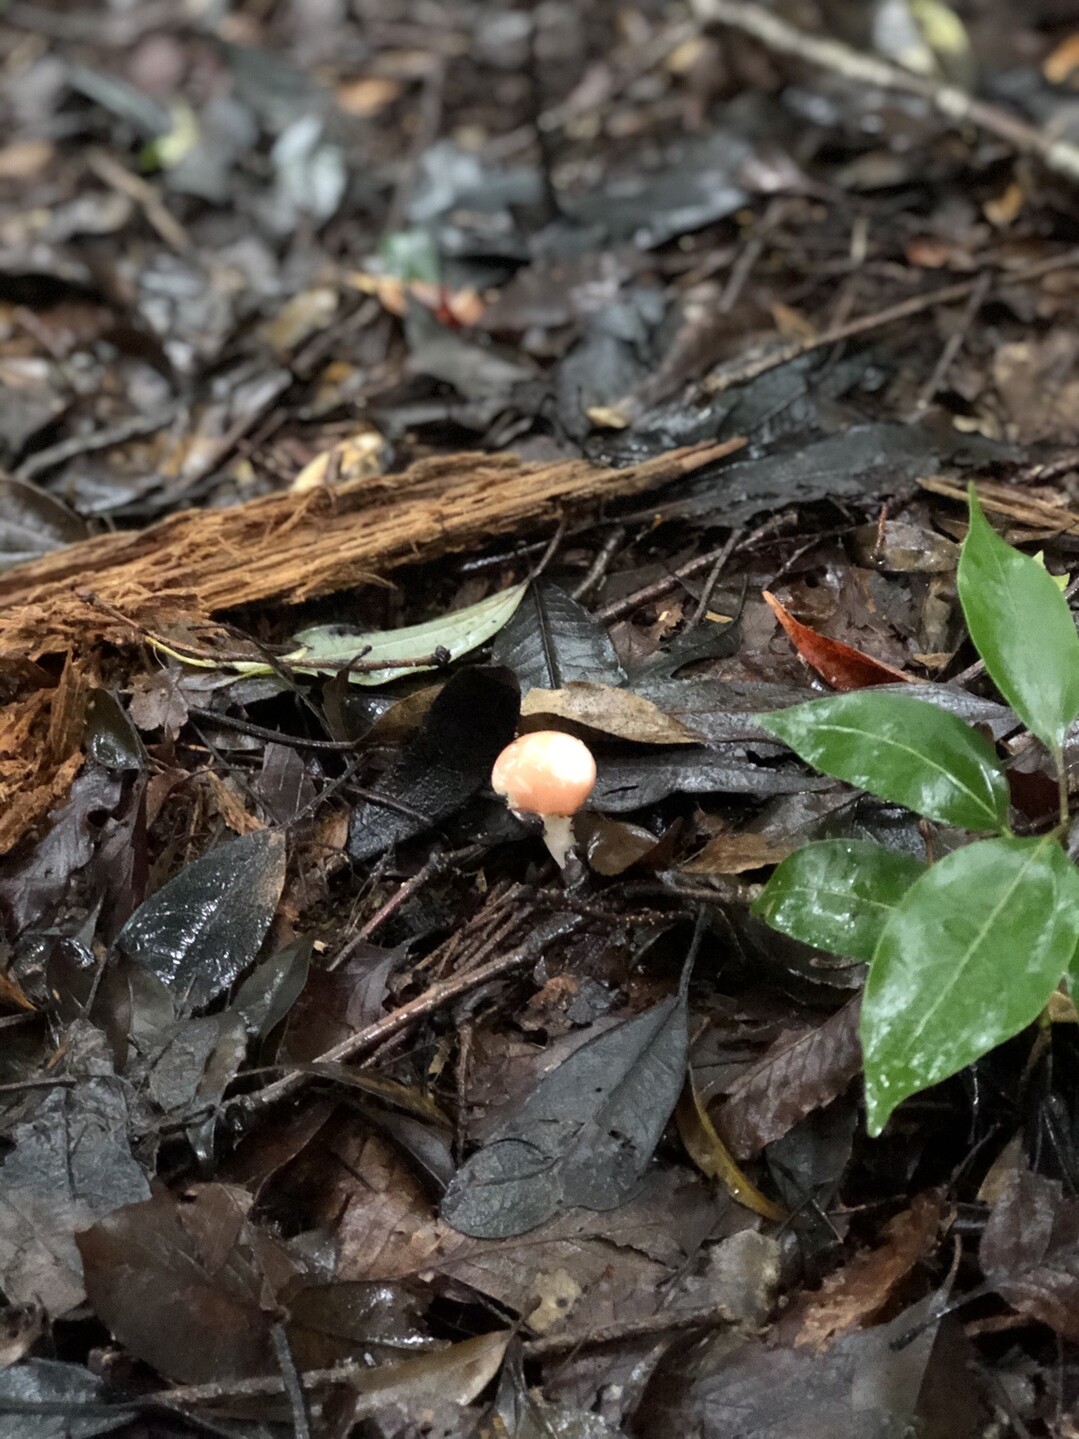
[1022, 628]
[903, 750]
[328, 648]
[968, 958]
[837, 894]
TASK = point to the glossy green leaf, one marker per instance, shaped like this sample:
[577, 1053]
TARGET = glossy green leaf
[968, 958]
[837, 894]
[1022, 628]
[905, 751]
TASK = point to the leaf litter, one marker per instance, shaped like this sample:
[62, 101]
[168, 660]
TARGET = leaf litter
[369, 393]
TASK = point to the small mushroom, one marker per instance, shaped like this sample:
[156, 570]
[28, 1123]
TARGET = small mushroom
[550, 774]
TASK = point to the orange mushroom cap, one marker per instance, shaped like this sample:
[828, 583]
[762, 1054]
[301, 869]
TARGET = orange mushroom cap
[546, 772]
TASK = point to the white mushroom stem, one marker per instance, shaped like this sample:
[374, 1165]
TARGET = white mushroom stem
[558, 836]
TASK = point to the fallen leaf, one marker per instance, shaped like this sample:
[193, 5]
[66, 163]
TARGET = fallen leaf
[856, 1294]
[188, 1286]
[203, 928]
[712, 1157]
[843, 667]
[585, 1135]
[1030, 1251]
[803, 1074]
[616, 712]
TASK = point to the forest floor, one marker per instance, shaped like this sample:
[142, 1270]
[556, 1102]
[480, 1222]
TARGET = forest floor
[379, 380]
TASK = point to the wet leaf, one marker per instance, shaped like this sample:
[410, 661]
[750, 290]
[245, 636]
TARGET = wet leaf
[944, 986]
[902, 750]
[626, 783]
[61, 1391]
[328, 648]
[866, 1386]
[616, 712]
[272, 988]
[552, 640]
[843, 667]
[449, 1378]
[856, 1294]
[800, 1075]
[188, 1286]
[203, 928]
[712, 1157]
[32, 523]
[1022, 628]
[71, 1163]
[837, 894]
[111, 739]
[585, 1135]
[444, 765]
[1029, 1251]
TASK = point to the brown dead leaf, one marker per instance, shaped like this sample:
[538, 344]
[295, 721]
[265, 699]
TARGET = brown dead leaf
[802, 1074]
[1030, 1251]
[611, 711]
[858, 1293]
[736, 853]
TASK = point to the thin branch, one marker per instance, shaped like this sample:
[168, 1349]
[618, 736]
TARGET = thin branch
[955, 105]
[771, 355]
[440, 994]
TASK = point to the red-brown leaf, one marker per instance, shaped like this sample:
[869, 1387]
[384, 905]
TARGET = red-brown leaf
[841, 666]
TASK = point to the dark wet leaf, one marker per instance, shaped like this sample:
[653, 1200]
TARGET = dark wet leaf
[32, 523]
[866, 461]
[71, 1164]
[801, 1074]
[631, 782]
[1023, 630]
[206, 925]
[61, 1391]
[326, 1322]
[188, 1286]
[32, 890]
[111, 739]
[1030, 1251]
[863, 1387]
[552, 640]
[904, 751]
[944, 987]
[725, 710]
[272, 988]
[837, 894]
[585, 1135]
[712, 640]
[284, 785]
[449, 760]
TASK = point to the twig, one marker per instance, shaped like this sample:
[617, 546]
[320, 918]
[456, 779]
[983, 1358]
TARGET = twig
[733, 541]
[667, 1321]
[955, 105]
[291, 1381]
[441, 993]
[618, 609]
[770, 356]
[953, 346]
[599, 566]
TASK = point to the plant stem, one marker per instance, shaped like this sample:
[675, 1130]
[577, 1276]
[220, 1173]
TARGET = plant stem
[1062, 788]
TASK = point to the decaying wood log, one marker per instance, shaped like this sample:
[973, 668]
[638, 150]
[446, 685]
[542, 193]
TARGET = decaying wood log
[292, 547]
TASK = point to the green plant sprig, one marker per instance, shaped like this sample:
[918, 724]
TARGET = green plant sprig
[964, 953]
